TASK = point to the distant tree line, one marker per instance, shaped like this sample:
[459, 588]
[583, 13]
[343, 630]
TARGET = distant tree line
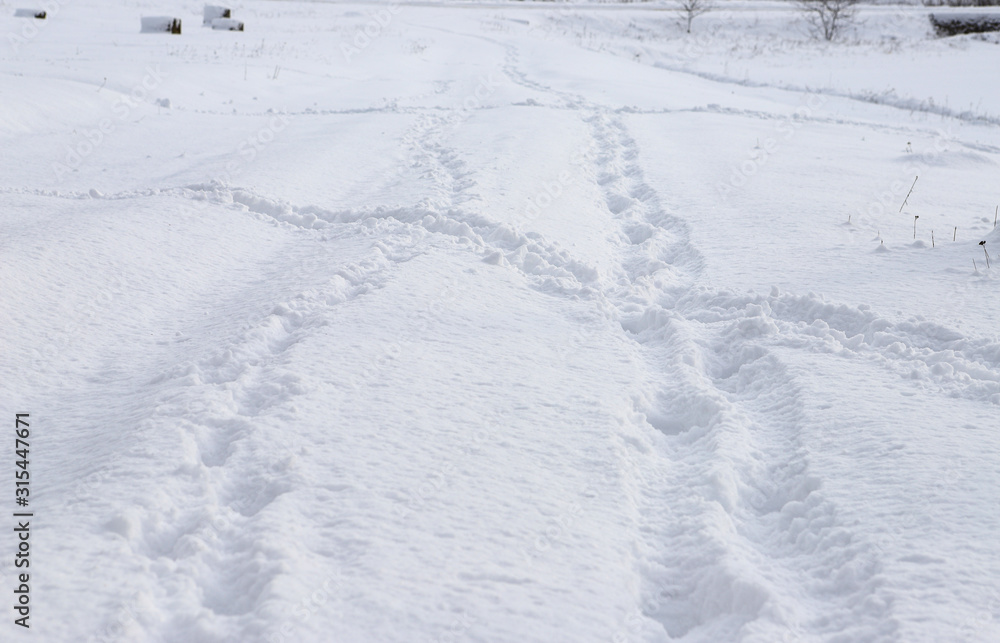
[961, 3]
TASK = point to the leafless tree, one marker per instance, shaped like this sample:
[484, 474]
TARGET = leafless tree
[691, 9]
[828, 18]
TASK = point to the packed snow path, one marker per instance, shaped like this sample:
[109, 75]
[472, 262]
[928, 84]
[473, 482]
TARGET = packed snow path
[473, 333]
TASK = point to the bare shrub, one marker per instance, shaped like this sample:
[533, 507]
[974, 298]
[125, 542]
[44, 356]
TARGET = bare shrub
[827, 18]
[691, 9]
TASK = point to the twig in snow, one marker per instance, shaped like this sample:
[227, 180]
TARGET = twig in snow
[909, 193]
[983, 244]
[915, 217]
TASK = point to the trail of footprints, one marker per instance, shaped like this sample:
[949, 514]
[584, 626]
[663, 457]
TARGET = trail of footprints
[207, 532]
[734, 517]
[732, 416]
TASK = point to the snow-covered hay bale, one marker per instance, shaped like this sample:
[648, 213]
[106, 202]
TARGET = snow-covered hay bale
[29, 13]
[227, 24]
[952, 24]
[213, 12]
[161, 24]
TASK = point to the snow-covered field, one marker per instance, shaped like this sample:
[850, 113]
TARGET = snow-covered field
[500, 323]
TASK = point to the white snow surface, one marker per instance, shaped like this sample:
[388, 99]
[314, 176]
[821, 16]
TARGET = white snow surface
[501, 323]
